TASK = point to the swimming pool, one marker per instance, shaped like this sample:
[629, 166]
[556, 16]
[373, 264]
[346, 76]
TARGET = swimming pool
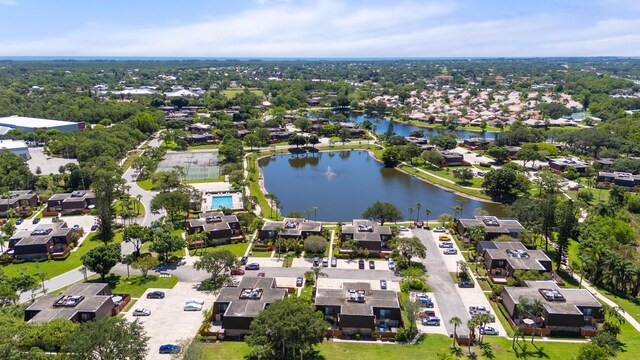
[222, 201]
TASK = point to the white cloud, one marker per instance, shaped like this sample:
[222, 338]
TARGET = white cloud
[331, 28]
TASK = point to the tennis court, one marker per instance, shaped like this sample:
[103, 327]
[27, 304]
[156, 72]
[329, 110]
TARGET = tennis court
[196, 165]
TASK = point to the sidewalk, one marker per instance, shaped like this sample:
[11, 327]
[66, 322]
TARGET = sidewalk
[69, 278]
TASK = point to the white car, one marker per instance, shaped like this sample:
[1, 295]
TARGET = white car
[439, 229]
[195, 301]
[392, 265]
[192, 307]
[141, 312]
[488, 330]
[403, 228]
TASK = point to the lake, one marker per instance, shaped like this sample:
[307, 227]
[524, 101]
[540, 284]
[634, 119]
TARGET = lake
[342, 184]
[402, 129]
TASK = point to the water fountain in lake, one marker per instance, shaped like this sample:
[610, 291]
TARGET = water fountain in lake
[329, 173]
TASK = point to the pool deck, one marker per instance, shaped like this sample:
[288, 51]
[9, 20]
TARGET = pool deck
[236, 199]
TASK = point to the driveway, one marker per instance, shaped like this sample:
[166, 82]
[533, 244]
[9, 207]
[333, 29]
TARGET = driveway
[446, 293]
[169, 323]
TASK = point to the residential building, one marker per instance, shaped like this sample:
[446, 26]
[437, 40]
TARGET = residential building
[17, 147]
[368, 234]
[74, 202]
[452, 158]
[22, 201]
[290, 228]
[619, 178]
[220, 228]
[502, 259]
[356, 308]
[562, 164]
[29, 124]
[46, 240]
[565, 311]
[81, 302]
[493, 226]
[236, 307]
[477, 143]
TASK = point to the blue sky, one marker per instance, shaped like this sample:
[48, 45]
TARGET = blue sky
[322, 28]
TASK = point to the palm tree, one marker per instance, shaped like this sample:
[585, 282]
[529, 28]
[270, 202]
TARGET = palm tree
[427, 212]
[271, 198]
[307, 214]
[418, 207]
[471, 325]
[483, 319]
[317, 272]
[456, 210]
[280, 242]
[315, 213]
[517, 332]
[536, 309]
[411, 213]
[455, 321]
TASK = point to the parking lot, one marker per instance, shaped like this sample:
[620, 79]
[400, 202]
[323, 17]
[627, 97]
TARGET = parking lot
[440, 329]
[47, 164]
[168, 322]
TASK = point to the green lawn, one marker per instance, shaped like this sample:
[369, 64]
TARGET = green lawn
[134, 204]
[231, 93]
[237, 249]
[446, 184]
[145, 184]
[132, 157]
[53, 268]
[219, 179]
[135, 285]
[203, 147]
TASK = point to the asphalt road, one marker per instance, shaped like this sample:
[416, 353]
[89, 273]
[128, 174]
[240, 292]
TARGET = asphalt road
[445, 291]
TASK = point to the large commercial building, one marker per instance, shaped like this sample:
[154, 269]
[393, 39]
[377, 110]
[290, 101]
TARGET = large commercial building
[29, 124]
[17, 147]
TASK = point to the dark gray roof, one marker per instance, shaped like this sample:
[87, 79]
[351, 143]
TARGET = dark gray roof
[516, 254]
[80, 195]
[573, 297]
[293, 226]
[15, 196]
[493, 224]
[250, 307]
[24, 237]
[365, 230]
[213, 221]
[373, 299]
[91, 302]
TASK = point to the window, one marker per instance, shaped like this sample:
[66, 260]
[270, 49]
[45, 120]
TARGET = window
[385, 313]
[587, 312]
[328, 311]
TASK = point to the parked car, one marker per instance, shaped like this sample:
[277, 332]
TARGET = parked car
[488, 330]
[428, 303]
[195, 301]
[94, 227]
[433, 321]
[444, 238]
[446, 245]
[316, 261]
[192, 307]
[252, 266]
[475, 310]
[325, 262]
[439, 229]
[155, 295]
[450, 251]
[35, 220]
[19, 221]
[403, 228]
[334, 262]
[466, 284]
[299, 281]
[372, 264]
[243, 260]
[169, 349]
[141, 312]
[383, 284]
[360, 264]
[237, 271]
[261, 274]
[392, 264]
[419, 224]
[75, 227]
[422, 296]
[427, 314]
